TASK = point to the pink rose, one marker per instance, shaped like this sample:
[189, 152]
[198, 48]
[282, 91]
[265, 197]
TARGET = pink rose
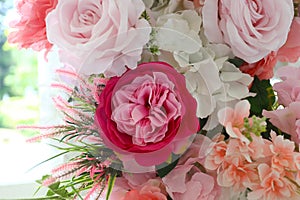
[288, 90]
[290, 51]
[101, 36]
[188, 182]
[146, 113]
[263, 69]
[30, 29]
[251, 28]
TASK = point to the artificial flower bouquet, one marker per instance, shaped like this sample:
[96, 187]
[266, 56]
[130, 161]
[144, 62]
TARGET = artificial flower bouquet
[171, 99]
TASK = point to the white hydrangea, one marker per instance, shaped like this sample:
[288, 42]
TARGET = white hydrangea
[214, 82]
[156, 8]
[210, 78]
[179, 32]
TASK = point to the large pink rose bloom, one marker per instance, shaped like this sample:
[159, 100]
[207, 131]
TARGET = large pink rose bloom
[30, 30]
[147, 113]
[99, 36]
[252, 28]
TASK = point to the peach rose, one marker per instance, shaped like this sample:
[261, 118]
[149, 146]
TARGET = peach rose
[263, 69]
[30, 30]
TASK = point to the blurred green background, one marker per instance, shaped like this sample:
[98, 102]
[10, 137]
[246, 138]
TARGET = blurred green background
[19, 102]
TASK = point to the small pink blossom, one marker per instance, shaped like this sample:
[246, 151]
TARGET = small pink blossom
[147, 192]
[153, 189]
[216, 155]
[197, 151]
[138, 179]
[188, 182]
[237, 174]
[238, 150]
[283, 153]
[288, 90]
[287, 120]
[30, 30]
[233, 119]
[272, 185]
[260, 147]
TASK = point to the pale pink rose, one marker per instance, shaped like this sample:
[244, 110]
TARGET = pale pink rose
[263, 69]
[272, 185]
[188, 182]
[287, 120]
[288, 90]
[251, 28]
[147, 113]
[290, 51]
[30, 30]
[233, 119]
[101, 36]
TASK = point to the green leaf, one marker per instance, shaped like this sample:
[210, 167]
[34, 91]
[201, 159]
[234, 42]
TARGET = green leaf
[55, 189]
[110, 185]
[236, 61]
[264, 99]
[48, 160]
[163, 169]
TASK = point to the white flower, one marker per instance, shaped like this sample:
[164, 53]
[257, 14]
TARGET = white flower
[213, 81]
[179, 32]
[235, 83]
[234, 88]
[156, 8]
[202, 82]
